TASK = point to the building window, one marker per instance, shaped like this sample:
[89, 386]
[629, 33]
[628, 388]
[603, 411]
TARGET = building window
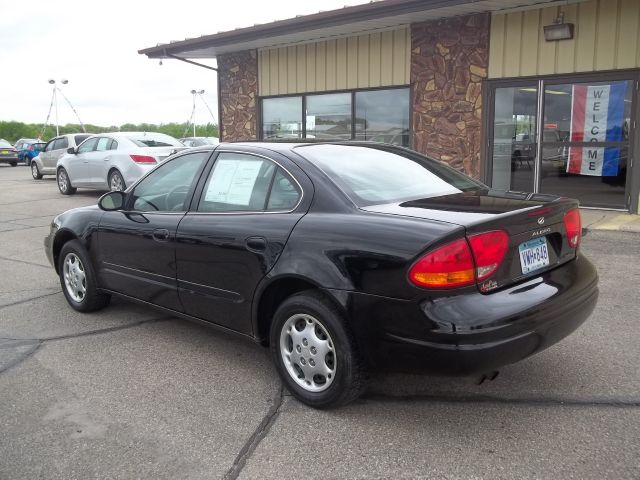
[282, 118]
[380, 115]
[329, 116]
[383, 116]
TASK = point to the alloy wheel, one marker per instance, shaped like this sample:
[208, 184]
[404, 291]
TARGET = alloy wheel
[63, 180]
[75, 279]
[34, 170]
[308, 352]
[116, 182]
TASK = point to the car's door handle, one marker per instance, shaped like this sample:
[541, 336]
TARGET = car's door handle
[256, 243]
[161, 234]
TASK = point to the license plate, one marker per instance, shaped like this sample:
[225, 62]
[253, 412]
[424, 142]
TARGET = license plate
[5, 152]
[534, 255]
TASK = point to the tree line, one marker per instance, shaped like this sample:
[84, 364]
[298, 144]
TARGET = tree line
[12, 131]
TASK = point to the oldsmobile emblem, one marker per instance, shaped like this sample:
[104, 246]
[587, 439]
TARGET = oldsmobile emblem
[541, 221]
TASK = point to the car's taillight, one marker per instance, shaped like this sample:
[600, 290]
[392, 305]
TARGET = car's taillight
[573, 226]
[446, 267]
[143, 159]
[488, 250]
[461, 262]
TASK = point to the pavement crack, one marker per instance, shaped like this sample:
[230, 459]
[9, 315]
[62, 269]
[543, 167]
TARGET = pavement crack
[256, 437]
[35, 345]
[48, 267]
[27, 300]
[105, 330]
[491, 399]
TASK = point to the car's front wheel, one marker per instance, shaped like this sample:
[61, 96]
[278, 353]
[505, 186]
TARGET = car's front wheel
[64, 184]
[315, 352]
[35, 173]
[78, 279]
[116, 182]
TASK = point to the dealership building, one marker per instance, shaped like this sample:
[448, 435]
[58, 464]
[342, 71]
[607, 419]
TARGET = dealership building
[528, 95]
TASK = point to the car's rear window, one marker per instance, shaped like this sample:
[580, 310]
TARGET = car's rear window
[80, 138]
[155, 140]
[385, 174]
[5, 144]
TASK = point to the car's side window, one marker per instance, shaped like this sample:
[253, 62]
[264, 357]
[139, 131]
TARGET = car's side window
[285, 193]
[167, 187]
[113, 145]
[238, 182]
[49, 146]
[88, 145]
[103, 144]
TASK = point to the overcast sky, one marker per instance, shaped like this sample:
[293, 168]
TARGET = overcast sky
[94, 45]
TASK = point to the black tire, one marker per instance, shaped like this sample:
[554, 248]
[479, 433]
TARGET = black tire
[64, 186]
[35, 171]
[116, 181]
[91, 300]
[349, 380]
[13, 164]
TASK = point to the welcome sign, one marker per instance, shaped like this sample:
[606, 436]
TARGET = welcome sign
[596, 116]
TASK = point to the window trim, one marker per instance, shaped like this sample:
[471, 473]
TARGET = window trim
[205, 176]
[352, 91]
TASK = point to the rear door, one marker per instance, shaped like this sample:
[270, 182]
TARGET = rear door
[58, 150]
[246, 208]
[99, 161]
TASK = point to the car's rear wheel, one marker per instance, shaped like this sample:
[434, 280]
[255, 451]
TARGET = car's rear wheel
[116, 182]
[35, 173]
[315, 352]
[78, 279]
[13, 164]
[64, 183]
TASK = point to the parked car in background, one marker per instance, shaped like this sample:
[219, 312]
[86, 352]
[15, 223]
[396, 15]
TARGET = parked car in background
[112, 161]
[343, 258]
[200, 141]
[8, 153]
[27, 149]
[45, 163]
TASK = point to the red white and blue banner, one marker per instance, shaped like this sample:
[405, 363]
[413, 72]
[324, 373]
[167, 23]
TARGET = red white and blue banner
[596, 116]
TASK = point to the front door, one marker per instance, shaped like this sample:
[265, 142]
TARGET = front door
[78, 164]
[137, 245]
[247, 208]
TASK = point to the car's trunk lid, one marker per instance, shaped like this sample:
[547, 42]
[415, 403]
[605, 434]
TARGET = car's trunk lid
[533, 222]
[160, 153]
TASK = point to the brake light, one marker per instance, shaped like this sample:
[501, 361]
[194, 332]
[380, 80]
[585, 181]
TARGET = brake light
[446, 267]
[146, 159]
[573, 226]
[488, 250]
[462, 262]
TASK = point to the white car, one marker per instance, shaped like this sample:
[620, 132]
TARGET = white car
[45, 162]
[113, 161]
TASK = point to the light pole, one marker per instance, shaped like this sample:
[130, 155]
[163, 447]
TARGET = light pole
[193, 115]
[55, 99]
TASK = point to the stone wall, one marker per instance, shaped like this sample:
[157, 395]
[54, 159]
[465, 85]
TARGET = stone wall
[238, 76]
[449, 60]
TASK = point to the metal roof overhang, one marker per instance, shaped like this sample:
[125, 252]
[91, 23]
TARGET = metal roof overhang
[353, 20]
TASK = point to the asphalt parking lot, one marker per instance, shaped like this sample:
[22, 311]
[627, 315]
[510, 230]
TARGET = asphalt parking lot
[131, 393]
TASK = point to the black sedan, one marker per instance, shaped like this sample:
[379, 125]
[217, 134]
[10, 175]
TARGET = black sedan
[344, 258]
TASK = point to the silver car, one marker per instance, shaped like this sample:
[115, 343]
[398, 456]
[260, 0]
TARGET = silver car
[45, 162]
[113, 161]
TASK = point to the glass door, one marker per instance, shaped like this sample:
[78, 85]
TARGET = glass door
[514, 138]
[586, 146]
[569, 136]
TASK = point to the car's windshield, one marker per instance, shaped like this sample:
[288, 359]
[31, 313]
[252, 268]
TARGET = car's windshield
[384, 174]
[154, 140]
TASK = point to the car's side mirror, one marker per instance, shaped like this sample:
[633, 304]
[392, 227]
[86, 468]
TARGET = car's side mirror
[71, 150]
[112, 201]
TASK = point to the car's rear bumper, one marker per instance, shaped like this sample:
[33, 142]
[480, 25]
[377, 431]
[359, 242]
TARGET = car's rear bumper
[474, 333]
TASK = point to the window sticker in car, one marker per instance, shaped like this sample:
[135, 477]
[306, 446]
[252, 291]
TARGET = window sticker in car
[233, 181]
